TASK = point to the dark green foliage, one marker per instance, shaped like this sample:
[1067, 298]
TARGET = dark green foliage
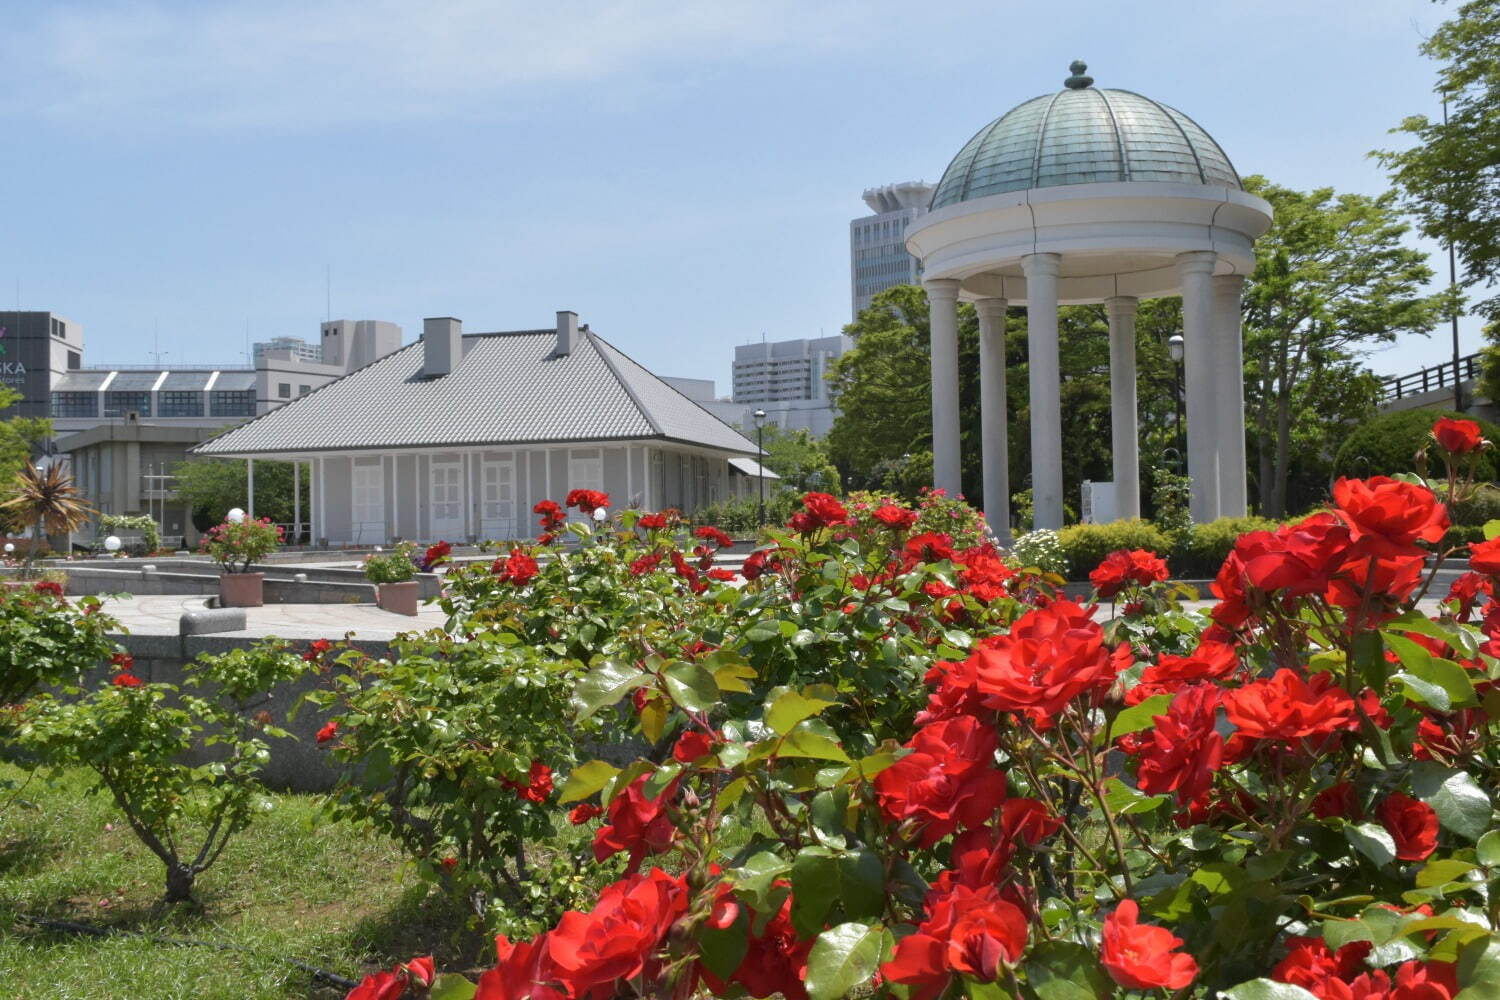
[1200, 552]
[1170, 494]
[1086, 545]
[1388, 444]
[1478, 510]
[214, 487]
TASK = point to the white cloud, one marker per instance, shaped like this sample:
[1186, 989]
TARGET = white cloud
[299, 63]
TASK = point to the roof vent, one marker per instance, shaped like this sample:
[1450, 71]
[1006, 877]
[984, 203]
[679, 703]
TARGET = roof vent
[442, 345]
[567, 331]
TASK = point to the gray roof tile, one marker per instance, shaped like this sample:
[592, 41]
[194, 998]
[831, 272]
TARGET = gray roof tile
[511, 388]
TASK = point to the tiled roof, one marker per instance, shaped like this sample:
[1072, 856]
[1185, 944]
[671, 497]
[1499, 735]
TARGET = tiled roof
[511, 388]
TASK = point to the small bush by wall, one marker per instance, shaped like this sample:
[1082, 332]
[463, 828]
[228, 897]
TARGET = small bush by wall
[1387, 444]
[1086, 545]
[1199, 554]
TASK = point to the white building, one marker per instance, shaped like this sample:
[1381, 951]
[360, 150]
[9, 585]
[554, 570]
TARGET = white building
[878, 258]
[457, 436]
[785, 379]
[1091, 195]
[297, 347]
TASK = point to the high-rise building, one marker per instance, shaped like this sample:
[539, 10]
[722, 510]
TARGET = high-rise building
[877, 243]
[785, 379]
[298, 348]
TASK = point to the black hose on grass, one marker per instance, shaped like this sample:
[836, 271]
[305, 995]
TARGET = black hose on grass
[69, 927]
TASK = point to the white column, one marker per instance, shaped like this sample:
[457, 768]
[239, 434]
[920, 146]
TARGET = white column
[396, 496]
[942, 298]
[468, 473]
[320, 483]
[1195, 274]
[995, 454]
[1230, 365]
[1124, 435]
[1046, 388]
[296, 502]
[250, 488]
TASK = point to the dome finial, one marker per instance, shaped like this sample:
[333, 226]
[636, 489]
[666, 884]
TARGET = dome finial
[1078, 81]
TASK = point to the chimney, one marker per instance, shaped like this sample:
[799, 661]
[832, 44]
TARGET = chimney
[442, 345]
[567, 331]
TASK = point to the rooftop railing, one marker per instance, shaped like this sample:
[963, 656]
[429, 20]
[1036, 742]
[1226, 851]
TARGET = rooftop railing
[1440, 376]
[166, 368]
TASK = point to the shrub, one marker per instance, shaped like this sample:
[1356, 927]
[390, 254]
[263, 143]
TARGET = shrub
[1042, 550]
[145, 526]
[396, 566]
[741, 517]
[1084, 546]
[135, 735]
[1200, 551]
[1477, 510]
[236, 545]
[48, 641]
[1387, 444]
[1170, 496]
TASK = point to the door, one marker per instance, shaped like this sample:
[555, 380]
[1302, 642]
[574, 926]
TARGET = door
[367, 507]
[447, 520]
[497, 500]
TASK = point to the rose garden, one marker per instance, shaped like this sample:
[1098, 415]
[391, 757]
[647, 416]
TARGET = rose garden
[881, 757]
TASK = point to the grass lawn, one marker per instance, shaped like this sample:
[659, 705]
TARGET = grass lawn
[292, 885]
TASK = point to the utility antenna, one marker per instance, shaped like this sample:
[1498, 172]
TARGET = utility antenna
[327, 292]
[156, 351]
[249, 358]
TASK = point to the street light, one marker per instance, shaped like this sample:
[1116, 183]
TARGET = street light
[760, 457]
[235, 516]
[1175, 350]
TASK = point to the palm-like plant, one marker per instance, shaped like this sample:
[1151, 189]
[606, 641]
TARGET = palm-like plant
[46, 500]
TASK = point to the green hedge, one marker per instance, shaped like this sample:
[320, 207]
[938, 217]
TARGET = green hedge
[1386, 445]
[1086, 545]
[1202, 552]
[1477, 511]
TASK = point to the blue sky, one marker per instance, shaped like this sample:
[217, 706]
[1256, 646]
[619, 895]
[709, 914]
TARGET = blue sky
[681, 174]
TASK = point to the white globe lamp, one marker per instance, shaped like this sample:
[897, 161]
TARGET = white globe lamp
[600, 513]
[235, 516]
[112, 544]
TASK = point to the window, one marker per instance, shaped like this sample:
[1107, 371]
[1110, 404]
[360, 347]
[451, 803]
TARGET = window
[303, 390]
[117, 404]
[232, 403]
[75, 361]
[179, 403]
[75, 404]
[368, 496]
[586, 469]
[284, 390]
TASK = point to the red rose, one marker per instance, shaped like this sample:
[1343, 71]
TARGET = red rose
[894, 517]
[758, 563]
[1336, 802]
[316, 650]
[984, 573]
[328, 732]
[692, 745]
[1143, 956]
[1125, 567]
[1412, 825]
[967, 931]
[928, 547]
[122, 660]
[721, 575]
[1285, 707]
[637, 824]
[587, 501]
[776, 959]
[1457, 437]
[825, 509]
[620, 938]
[1051, 656]
[1169, 674]
[516, 569]
[652, 522]
[538, 783]
[1310, 963]
[1388, 517]
[523, 971]
[421, 969]
[1183, 750]
[949, 780]
[1484, 557]
[436, 553]
[712, 534]
[125, 680]
[383, 985]
[583, 812]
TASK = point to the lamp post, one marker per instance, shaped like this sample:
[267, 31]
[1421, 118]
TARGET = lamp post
[760, 457]
[1175, 350]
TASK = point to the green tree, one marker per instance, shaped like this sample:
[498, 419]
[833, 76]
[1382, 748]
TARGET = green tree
[213, 487]
[800, 459]
[1333, 280]
[19, 436]
[1450, 178]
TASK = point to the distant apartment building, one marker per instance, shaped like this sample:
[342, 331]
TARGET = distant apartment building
[296, 346]
[122, 428]
[785, 378]
[877, 243]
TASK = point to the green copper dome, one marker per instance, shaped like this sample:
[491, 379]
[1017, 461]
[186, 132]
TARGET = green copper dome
[1084, 135]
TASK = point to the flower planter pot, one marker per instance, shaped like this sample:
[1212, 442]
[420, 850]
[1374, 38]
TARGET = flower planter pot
[241, 590]
[399, 598]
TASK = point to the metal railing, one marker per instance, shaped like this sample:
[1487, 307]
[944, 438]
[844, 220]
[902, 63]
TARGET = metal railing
[239, 367]
[1441, 376]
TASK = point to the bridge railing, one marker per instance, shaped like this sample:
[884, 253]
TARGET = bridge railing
[1440, 376]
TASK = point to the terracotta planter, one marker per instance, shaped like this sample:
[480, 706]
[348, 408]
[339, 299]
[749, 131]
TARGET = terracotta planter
[399, 598]
[241, 590]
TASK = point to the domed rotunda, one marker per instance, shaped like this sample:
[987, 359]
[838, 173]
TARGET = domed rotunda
[1091, 195]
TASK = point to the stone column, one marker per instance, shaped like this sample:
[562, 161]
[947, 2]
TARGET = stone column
[1046, 388]
[1195, 275]
[942, 297]
[1124, 435]
[1233, 495]
[993, 442]
[250, 488]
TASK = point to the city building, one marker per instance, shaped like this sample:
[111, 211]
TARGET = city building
[785, 379]
[298, 348]
[457, 436]
[1090, 195]
[878, 258]
[36, 350]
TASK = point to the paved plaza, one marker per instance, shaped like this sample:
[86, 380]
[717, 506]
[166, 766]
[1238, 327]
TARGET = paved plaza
[161, 614]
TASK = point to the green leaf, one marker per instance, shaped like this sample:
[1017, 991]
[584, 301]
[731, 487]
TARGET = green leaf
[1063, 970]
[791, 707]
[1479, 969]
[451, 987]
[753, 879]
[585, 780]
[804, 637]
[1441, 871]
[605, 685]
[1127, 801]
[843, 958]
[722, 951]
[1267, 989]
[1371, 840]
[1491, 530]
[1488, 849]
[692, 686]
[1138, 717]
[731, 676]
[812, 738]
[1459, 802]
